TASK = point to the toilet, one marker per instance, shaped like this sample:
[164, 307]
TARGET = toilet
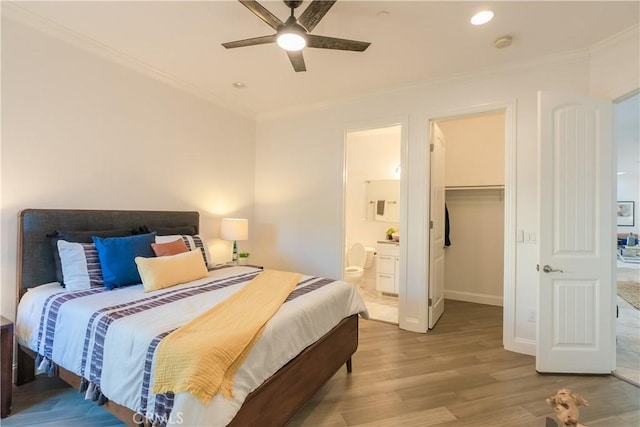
[359, 257]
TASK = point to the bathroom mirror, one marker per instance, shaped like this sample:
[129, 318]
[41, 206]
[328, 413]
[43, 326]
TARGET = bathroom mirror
[382, 200]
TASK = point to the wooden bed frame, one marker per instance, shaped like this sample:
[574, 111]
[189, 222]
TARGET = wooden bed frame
[275, 402]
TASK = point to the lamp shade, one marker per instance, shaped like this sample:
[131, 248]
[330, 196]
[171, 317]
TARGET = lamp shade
[234, 229]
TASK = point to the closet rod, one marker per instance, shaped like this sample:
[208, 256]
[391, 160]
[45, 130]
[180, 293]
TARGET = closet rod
[475, 187]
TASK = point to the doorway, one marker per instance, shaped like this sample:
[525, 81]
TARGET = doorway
[372, 200]
[474, 184]
[626, 122]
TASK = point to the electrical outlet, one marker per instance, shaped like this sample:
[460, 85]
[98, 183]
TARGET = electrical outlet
[532, 316]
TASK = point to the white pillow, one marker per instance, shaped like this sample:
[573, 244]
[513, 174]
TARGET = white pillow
[192, 242]
[80, 265]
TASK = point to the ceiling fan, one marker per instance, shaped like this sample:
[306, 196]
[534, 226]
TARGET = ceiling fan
[293, 35]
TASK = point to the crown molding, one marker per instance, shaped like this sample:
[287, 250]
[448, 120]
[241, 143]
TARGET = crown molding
[12, 10]
[486, 72]
[631, 33]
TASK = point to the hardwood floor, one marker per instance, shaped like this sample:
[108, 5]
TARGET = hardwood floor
[385, 308]
[457, 375]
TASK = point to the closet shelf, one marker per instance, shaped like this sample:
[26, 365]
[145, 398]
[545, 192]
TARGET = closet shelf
[474, 187]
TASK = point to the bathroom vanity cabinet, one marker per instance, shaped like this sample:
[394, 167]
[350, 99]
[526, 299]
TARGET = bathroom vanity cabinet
[387, 267]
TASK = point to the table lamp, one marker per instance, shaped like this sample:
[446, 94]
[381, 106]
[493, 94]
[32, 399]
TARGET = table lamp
[234, 229]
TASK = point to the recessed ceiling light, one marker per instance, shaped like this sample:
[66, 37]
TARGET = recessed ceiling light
[482, 17]
[239, 85]
[383, 14]
[621, 173]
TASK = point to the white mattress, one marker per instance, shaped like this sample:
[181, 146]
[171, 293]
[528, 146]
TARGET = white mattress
[298, 323]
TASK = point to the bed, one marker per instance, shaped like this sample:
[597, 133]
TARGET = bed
[311, 336]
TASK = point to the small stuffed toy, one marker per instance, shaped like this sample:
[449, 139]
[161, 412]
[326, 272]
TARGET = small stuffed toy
[566, 404]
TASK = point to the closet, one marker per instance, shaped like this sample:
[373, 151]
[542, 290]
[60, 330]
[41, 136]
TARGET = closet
[474, 184]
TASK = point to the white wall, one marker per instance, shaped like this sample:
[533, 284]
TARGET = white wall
[79, 131]
[310, 183]
[474, 150]
[614, 69]
[474, 262]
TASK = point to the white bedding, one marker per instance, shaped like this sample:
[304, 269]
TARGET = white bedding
[302, 320]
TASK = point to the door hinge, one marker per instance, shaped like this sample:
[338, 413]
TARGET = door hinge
[430, 302]
[430, 224]
[431, 147]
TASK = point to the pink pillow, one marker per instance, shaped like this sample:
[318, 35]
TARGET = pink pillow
[171, 248]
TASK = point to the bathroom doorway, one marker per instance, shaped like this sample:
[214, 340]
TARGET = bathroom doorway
[372, 216]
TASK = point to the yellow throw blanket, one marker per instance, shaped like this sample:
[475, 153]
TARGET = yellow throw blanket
[203, 356]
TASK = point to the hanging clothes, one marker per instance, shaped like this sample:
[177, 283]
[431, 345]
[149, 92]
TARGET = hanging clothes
[447, 241]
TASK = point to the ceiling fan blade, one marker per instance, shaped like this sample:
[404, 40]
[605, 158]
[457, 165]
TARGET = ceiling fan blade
[297, 60]
[261, 12]
[250, 42]
[314, 13]
[323, 42]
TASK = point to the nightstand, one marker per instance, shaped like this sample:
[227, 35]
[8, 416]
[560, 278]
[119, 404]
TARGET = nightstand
[6, 362]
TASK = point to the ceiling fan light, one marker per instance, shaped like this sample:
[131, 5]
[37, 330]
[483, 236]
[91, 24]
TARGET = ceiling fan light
[291, 41]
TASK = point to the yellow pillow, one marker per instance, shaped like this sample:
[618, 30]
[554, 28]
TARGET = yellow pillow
[163, 272]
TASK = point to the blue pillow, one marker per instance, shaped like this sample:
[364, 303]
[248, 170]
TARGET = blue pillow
[117, 258]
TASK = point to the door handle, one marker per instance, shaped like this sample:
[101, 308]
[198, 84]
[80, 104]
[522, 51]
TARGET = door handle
[548, 269]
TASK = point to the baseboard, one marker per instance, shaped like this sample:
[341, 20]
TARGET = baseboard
[473, 297]
[524, 346]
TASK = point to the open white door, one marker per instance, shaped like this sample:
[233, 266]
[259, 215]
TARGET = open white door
[436, 232]
[576, 296]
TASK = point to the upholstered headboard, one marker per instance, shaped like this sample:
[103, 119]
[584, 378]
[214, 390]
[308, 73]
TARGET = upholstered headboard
[35, 259]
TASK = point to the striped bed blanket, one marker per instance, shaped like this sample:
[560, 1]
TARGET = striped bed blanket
[110, 338]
